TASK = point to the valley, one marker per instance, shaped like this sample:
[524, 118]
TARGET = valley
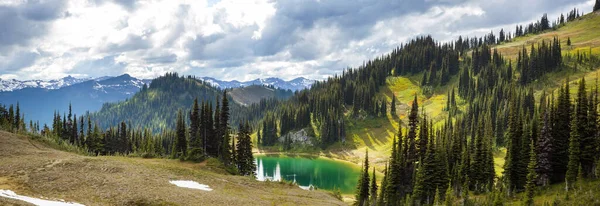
[507, 118]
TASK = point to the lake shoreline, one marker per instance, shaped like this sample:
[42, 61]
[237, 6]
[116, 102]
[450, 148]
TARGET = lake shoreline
[304, 155]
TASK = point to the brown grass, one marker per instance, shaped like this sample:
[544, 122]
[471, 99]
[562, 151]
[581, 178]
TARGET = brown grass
[33, 169]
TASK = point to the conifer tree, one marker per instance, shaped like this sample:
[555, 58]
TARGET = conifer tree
[373, 191]
[393, 105]
[244, 157]
[544, 149]
[561, 135]
[362, 188]
[382, 197]
[180, 145]
[17, 118]
[573, 166]
[449, 197]
[195, 144]
[513, 167]
[225, 150]
[531, 176]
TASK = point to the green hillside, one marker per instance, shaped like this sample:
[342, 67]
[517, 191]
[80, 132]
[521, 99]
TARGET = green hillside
[156, 106]
[376, 133]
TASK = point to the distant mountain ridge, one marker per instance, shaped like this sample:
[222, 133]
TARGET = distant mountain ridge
[39, 101]
[7, 85]
[299, 83]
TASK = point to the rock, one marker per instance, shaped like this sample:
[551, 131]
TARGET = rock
[298, 137]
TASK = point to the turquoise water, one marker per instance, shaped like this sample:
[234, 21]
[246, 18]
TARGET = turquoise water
[322, 173]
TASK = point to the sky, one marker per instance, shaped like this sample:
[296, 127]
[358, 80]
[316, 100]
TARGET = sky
[236, 39]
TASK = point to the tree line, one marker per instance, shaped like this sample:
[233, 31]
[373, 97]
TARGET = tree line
[207, 135]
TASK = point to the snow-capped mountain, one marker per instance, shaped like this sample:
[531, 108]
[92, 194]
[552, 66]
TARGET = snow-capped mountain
[294, 85]
[38, 101]
[7, 85]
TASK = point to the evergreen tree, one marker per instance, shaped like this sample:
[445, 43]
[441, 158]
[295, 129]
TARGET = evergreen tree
[573, 166]
[544, 149]
[195, 143]
[531, 176]
[244, 158]
[393, 105]
[225, 152]
[180, 145]
[513, 167]
[561, 135]
[17, 118]
[382, 197]
[362, 188]
[373, 191]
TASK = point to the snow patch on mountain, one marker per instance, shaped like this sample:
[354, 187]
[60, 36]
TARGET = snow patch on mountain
[294, 85]
[101, 83]
[7, 85]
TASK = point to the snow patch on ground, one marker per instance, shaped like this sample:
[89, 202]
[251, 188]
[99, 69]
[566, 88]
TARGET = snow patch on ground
[190, 184]
[309, 187]
[35, 201]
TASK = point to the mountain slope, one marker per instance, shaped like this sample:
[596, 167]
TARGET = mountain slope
[254, 93]
[38, 103]
[376, 133]
[35, 169]
[156, 107]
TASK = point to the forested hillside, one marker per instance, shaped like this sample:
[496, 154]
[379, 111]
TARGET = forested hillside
[443, 110]
[156, 105]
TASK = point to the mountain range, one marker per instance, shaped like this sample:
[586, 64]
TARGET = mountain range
[37, 99]
[296, 84]
[9, 85]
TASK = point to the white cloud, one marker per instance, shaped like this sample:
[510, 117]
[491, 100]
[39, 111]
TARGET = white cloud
[240, 39]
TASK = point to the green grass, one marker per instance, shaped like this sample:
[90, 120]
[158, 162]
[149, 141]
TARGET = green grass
[499, 161]
[583, 33]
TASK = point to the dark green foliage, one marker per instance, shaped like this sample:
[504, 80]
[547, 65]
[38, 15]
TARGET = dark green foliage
[362, 187]
[531, 176]
[544, 149]
[393, 105]
[373, 190]
[269, 130]
[589, 133]
[244, 158]
[180, 146]
[561, 135]
[164, 97]
[514, 170]
[543, 59]
[223, 128]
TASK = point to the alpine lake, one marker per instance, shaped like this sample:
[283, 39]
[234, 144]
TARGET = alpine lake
[308, 172]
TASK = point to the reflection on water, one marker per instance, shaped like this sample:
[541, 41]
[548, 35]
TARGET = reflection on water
[319, 172]
[262, 175]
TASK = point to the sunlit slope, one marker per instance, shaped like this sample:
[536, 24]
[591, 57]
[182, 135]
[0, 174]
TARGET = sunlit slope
[584, 34]
[376, 133]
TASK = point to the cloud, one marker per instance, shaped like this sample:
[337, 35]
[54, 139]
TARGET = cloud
[235, 39]
[24, 21]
